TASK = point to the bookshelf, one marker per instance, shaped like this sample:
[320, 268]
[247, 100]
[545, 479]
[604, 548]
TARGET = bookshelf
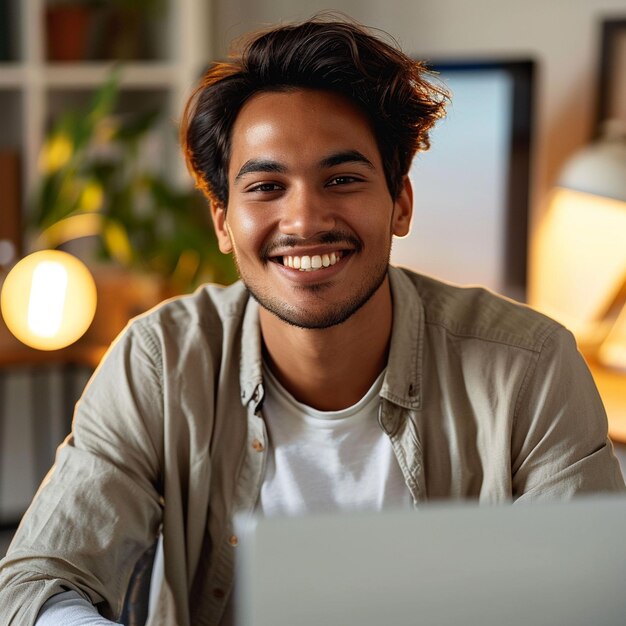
[37, 390]
[34, 89]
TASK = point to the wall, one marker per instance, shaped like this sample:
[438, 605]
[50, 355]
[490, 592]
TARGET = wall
[561, 35]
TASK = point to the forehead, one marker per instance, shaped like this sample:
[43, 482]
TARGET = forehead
[300, 127]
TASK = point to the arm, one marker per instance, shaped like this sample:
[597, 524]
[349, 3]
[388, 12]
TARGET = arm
[560, 447]
[99, 508]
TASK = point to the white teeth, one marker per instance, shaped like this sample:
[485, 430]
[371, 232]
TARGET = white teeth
[307, 263]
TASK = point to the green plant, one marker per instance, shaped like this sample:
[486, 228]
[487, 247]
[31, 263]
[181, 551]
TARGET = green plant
[96, 182]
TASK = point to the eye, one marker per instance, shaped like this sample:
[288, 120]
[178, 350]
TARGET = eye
[264, 188]
[343, 180]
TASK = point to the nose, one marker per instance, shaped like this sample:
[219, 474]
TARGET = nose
[306, 213]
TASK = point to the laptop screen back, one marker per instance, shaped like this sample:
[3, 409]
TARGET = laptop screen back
[559, 564]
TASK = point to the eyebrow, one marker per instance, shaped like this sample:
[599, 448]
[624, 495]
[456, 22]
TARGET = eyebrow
[332, 160]
[260, 165]
[346, 156]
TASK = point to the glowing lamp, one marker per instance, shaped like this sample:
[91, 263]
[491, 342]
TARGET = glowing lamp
[48, 300]
[580, 270]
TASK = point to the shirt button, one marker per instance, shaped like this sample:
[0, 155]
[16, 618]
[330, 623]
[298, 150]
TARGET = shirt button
[233, 540]
[257, 445]
[218, 593]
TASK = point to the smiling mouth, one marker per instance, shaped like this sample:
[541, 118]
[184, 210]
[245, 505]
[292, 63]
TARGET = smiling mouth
[311, 263]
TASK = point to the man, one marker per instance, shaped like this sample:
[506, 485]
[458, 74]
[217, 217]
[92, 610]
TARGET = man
[325, 380]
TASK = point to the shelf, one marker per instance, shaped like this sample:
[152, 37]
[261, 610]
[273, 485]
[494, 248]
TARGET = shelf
[87, 75]
[91, 75]
[12, 76]
[34, 91]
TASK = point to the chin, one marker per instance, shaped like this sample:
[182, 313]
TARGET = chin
[329, 316]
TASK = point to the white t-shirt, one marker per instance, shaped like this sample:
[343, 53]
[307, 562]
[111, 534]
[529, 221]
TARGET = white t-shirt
[326, 461]
[70, 609]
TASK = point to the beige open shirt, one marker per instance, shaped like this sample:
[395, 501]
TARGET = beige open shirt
[482, 399]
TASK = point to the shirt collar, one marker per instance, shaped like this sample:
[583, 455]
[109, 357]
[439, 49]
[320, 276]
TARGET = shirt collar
[403, 381]
[251, 364]
[402, 384]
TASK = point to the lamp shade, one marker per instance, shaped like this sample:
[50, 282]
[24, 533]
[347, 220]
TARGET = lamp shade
[48, 300]
[600, 168]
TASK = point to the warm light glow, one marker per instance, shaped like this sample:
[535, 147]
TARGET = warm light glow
[612, 352]
[48, 300]
[579, 263]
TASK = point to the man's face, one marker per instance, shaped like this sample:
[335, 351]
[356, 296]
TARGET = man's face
[310, 218]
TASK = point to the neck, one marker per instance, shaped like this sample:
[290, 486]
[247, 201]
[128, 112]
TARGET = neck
[332, 368]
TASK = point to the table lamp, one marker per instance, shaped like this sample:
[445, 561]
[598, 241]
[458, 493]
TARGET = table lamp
[579, 277]
[48, 299]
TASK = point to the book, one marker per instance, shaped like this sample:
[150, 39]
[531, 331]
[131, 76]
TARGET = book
[10, 203]
[5, 31]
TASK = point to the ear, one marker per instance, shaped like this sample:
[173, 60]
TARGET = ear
[218, 215]
[403, 209]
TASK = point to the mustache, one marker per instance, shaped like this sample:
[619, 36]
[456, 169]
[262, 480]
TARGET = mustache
[330, 237]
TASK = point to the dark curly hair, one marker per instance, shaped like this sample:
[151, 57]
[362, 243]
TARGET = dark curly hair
[396, 92]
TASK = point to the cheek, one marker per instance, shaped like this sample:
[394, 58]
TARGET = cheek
[249, 230]
[371, 221]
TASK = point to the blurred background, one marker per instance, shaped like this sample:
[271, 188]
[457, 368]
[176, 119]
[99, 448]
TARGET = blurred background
[523, 190]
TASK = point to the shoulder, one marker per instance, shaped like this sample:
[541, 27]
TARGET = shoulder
[210, 309]
[196, 327]
[475, 312]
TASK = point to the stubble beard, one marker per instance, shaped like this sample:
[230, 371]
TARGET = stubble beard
[331, 315]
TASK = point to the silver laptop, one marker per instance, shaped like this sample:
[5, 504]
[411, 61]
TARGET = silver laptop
[532, 565]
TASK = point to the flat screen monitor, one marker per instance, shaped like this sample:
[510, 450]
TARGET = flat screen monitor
[471, 189]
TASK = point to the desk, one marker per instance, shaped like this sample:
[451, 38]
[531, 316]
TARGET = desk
[15, 354]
